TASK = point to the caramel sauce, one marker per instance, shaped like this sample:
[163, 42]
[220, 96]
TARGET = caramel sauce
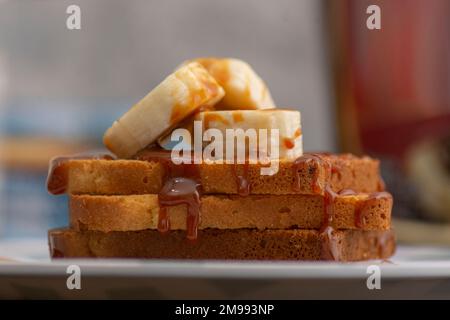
[164, 158]
[218, 68]
[220, 71]
[212, 89]
[304, 162]
[178, 191]
[196, 98]
[238, 117]
[210, 117]
[329, 198]
[177, 112]
[163, 219]
[207, 63]
[336, 170]
[181, 185]
[288, 143]
[57, 178]
[330, 245]
[204, 108]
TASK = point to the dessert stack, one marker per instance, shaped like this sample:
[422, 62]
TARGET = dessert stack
[206, 167]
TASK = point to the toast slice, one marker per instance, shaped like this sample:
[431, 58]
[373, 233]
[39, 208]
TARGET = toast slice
[310, 174]
[240, 244]
[140, 212]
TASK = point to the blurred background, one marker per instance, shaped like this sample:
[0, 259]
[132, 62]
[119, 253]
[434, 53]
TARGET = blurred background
[381, 92]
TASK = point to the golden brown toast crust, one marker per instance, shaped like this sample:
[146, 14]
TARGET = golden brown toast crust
[240, 244]
[140, 212]
[123, 177]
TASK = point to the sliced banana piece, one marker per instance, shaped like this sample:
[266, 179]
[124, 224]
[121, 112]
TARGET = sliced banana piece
[166, 142]
[244, 89]
[288, 140]
[284, 143]
[177, 97]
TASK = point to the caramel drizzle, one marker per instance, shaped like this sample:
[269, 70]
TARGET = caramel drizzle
[289, 143]
[187, 176]
[313, 163]
[181, 186]
[362, 205]
[57, 178]
[177, 191]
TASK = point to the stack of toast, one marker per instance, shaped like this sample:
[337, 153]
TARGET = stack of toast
[149, 201]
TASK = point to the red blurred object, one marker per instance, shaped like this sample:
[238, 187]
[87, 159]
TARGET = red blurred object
[393, 84]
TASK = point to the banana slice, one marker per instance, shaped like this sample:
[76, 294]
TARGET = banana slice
[260, 144]
[288, 141]
[244, 89]
[166, 142]
[178, 96]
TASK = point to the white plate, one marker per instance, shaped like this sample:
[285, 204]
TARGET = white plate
[414, 272]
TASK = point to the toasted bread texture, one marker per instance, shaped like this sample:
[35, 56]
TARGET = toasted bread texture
[240, 244]
[140, 212]
[125, 177]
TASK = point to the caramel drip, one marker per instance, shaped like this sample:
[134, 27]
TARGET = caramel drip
[57, 178]
[336, 170]
[237, 116]
[330, 250]
[288, 143]
[163, 218]
[218, 68]
[242, 183]
[304, 162]
[181, 185]
[361, 205]
[329, 198]
[195, 99]
[313, 162]
[178, 191]
[171, 170]
[210, 117]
